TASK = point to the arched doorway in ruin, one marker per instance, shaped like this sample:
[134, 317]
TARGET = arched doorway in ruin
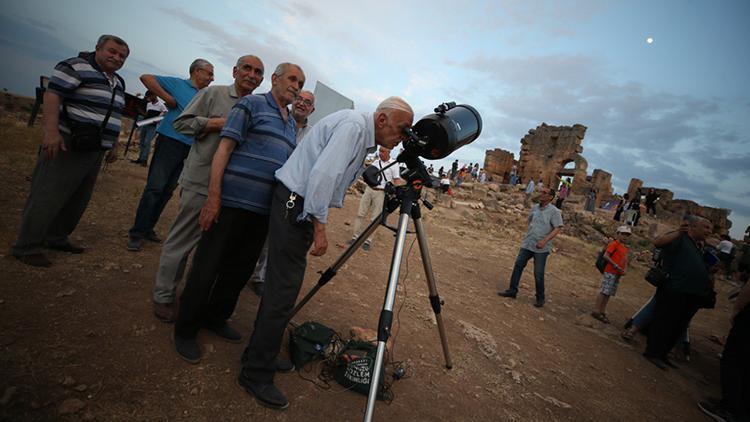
[574, 168]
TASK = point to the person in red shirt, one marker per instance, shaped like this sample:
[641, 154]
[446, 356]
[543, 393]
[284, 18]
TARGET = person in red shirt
[616, 256]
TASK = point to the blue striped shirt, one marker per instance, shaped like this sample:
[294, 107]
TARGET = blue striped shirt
[86, 93]
[264, 142]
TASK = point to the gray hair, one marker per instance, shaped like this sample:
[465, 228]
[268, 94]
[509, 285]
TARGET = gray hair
[394, 103]
[283, 67]
[199, 64]
[248, 56]
[694, 219]
[117, 40]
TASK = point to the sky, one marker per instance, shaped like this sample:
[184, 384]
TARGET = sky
[671, 113]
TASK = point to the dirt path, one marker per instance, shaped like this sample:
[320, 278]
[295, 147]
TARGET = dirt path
[84, 330]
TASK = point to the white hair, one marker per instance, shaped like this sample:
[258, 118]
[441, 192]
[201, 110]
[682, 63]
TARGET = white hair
[394, 103]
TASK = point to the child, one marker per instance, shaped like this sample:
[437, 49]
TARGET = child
[616, 256]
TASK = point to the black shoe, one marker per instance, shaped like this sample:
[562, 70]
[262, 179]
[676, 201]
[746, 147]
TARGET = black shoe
[659, 362]
[715, 410]
[265, 393]
[539, 303]
[152, 237]
[225, 331]
[187, 348]
[670, 364]
[258, 288]
[134, 244]
[136, 161]
[35, 260]
[366, 246]
[507, 293]
[66, 247]
[283, 365]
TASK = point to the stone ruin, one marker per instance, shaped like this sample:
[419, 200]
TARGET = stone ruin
[546, 153]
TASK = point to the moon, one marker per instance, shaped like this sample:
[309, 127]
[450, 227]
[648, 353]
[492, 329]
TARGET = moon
[649, 40]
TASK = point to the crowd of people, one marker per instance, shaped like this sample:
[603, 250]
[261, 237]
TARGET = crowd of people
[256, 185]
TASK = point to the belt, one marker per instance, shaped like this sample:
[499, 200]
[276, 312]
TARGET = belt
[377, 188]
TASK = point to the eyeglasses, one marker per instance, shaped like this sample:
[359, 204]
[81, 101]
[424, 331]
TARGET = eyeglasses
[304, 101]
[208, 72]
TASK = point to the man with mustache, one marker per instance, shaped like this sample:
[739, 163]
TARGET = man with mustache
[171, 149]
[202, 120]
[256, 140]
[84, 92]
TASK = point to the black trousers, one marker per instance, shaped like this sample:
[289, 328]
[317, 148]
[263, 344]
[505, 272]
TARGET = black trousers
[288, 243]
[735, 367]
[672, 314]
[224, 260]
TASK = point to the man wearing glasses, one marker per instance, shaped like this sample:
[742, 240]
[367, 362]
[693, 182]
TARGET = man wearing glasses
[171, 148]
[545, 222]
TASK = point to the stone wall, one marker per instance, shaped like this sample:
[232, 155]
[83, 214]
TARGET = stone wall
[546, 150]
[498, 164]
[718, 216]
[634, 185]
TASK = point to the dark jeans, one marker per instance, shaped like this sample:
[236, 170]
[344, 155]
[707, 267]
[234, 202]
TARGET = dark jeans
[651, 208]
[165, 169]
[147, 134]
[735, 367]
[672, 314]
[540, 260]
[224, 260]
[288, 243]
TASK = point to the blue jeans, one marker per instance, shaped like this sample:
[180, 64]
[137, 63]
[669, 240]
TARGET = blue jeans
[645, 315]
[147, 133]
[540, 260]
[163, 173]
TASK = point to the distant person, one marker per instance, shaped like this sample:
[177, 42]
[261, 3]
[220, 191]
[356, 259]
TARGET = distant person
[529, 192]
[454, 169]
[445, 184]
[635, 207]
[302, 108]
[82, 108]
[441, 172]
[590, 204]
[513, 178]
[563, 194]
[371, 202]
[651, 198]
[726, 249]
[171, 149]
[621, 206]
[735, 367]
[682, 294]
[616, 256]
[430, 170]
[202, 119]
[482, 176]
[545, 222]
[154, 108]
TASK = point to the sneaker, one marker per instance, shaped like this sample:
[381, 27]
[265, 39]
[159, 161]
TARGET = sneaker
[539, 303]
[225, 331]
[187, 348]
[164, 312]
[35, 260]
[366, 246]
[714, 410]
[507, 293]
[153, 237]
[134, 244]
[66, 247]
[265, 393]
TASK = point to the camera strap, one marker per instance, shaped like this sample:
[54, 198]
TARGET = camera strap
[109, 111]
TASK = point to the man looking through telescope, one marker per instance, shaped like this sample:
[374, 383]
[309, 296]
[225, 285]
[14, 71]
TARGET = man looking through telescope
[315, 178]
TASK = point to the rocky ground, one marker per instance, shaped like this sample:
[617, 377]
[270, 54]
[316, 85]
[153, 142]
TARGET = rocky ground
[78, 341]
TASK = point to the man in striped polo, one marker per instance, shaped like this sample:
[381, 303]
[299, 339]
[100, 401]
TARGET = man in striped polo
[257, 139]
[84, 94]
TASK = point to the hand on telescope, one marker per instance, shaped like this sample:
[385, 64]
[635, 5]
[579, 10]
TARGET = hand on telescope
[320, 243]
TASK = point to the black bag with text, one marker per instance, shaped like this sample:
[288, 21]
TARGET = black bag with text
[354, 366]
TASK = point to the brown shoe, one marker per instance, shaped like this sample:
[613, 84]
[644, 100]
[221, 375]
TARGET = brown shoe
[164, 312]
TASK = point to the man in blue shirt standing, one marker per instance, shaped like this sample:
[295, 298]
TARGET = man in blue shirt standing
[171, 148]
[315, 178]
[257, 139]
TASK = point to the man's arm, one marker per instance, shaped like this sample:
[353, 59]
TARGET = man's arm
[210, 211]
[670, 237]
[52, 142]
[196, 119]
[153, 85]
[540, 244]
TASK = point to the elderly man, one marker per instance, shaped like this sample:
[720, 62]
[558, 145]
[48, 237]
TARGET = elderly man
[171, 149]
[202, 119]
[680, 297]
[372, 200]
[302, 108]
[82, 108]
[256, 140]
[315, 178]
[545, 222]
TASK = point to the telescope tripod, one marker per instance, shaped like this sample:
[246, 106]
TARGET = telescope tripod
[407, 197]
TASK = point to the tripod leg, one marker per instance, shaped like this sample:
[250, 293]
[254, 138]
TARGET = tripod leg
[386, 315]
[331, 271]
[432, 286]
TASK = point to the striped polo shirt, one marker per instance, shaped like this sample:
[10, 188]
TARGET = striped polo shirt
[86, 93]
[264, 142]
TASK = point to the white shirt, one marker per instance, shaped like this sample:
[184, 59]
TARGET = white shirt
[389, 174]
[725, 246]
[159, 106]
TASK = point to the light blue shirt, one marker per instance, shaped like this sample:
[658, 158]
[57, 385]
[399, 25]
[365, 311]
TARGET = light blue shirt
[541, 222]
[328, 160]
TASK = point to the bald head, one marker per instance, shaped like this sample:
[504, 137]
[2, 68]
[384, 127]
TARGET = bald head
[391, 117]
[699, 228]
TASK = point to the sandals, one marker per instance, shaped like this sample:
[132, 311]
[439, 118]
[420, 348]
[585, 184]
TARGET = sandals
[627, 336]
[601, 317]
